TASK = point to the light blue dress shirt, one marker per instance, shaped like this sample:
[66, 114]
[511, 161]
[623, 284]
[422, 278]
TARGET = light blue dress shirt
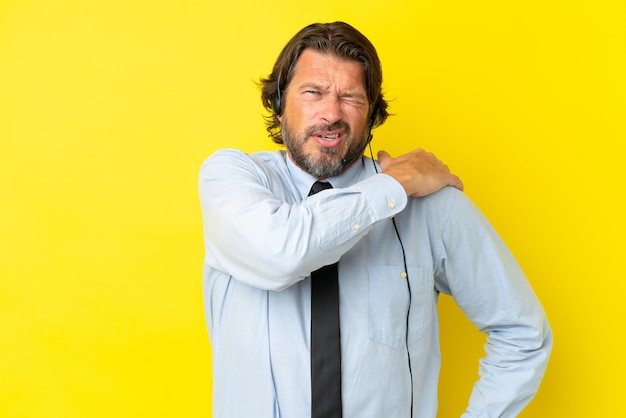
[264, 237]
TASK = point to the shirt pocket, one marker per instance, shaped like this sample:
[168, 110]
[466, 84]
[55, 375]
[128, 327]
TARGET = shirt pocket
[389, 300]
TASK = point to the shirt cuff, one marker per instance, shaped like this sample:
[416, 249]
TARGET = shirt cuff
[385, 195]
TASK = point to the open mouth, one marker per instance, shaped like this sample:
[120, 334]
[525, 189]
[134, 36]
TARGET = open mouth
[328, 138]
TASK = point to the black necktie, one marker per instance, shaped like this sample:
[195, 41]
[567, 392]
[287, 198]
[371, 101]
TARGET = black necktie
[325, 337]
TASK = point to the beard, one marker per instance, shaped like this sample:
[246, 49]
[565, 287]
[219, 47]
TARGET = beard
[328, 163]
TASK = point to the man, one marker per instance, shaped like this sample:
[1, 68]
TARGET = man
[400, 239]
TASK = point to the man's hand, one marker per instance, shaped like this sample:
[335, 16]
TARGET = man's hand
[419, 172]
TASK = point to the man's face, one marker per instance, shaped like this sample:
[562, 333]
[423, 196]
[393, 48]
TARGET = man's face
[326, 113]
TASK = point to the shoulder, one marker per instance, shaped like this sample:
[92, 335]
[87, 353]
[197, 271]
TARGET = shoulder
[227, 161]
[447, 197]
[446, 205]
[234, 156]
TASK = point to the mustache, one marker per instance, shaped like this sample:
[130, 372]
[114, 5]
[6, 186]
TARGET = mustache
[326, 127]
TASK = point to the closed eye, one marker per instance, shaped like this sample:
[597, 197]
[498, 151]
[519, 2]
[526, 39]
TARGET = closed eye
[354, 101]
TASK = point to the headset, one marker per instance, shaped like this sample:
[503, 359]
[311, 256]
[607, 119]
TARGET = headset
[277, 100]
[277, 108]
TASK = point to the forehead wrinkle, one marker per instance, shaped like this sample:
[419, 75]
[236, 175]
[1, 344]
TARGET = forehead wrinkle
[326, 73]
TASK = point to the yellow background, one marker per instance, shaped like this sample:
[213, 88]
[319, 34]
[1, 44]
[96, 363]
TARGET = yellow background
[107, 109]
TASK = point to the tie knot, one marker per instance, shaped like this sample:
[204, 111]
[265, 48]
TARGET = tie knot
[318, 186]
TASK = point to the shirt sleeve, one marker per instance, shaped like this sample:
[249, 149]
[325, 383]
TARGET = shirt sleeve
[258, 231]
[489, 286]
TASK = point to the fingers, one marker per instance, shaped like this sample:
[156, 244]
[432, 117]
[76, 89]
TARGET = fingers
[383, 156]
[419, 172]
[384, 159]
[456, 182]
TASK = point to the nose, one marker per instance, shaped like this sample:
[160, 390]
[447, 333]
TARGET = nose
[330, 110]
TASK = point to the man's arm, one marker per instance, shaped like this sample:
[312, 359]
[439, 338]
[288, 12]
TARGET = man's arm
[258, 231]
[489, 286]
[419, 172]
[257, 234]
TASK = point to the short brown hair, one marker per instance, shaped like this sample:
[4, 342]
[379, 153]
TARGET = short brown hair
[337, 39]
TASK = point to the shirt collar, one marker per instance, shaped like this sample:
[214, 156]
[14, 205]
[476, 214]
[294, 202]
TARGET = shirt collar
[303, 180]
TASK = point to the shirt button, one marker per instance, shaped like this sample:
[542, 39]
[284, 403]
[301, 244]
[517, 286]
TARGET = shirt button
[403, 274]
[356, 226]
[391, 205]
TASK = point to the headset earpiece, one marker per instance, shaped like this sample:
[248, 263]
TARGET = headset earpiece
[276, 104]
[277, 100]
[373, 116]
[374, 112]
